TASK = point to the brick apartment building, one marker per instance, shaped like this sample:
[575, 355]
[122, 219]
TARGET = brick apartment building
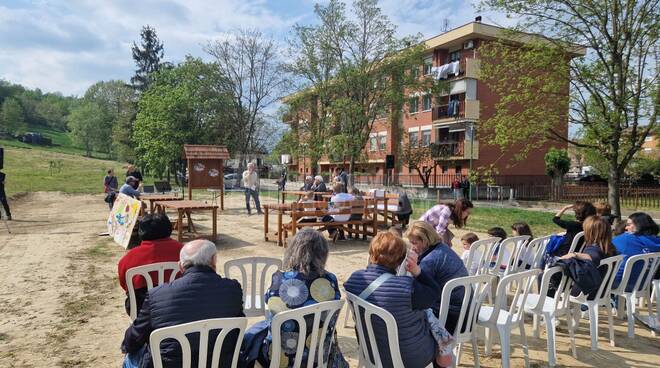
[452, 121]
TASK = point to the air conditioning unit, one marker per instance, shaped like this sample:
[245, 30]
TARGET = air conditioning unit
[469, 44]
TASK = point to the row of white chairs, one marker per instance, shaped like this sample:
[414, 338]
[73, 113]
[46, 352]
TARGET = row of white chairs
[505, 314]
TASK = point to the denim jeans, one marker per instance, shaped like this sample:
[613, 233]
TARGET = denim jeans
[255, 194]
[133, 360]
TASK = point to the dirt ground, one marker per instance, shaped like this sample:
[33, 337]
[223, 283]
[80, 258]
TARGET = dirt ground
[61, 304]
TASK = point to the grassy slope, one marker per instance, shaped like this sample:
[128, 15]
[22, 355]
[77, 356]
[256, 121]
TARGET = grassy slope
[28, 170]
[61, 143]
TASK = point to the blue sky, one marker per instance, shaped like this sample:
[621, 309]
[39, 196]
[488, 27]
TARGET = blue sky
[68, 45]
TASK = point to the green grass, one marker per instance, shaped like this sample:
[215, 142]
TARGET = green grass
[28, 170]
[62, 143]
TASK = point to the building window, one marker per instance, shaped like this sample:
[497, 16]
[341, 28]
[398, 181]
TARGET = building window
[426, 102]
[459, 169]
[372, 143]
[383, 142]
[413, 105]
[428, 65]
[455, 56]
[413, 138]
[426, 138]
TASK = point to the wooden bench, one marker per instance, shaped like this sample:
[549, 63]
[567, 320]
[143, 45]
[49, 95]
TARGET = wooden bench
[365, 226]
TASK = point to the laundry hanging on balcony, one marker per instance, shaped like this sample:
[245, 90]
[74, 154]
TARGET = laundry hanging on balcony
[452, 108]
[443, 71]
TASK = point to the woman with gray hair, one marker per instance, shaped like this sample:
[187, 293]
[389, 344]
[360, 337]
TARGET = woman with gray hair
[302, 281]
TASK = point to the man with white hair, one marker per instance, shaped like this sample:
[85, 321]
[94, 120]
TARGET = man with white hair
[251, 185]
[319, 185]
[198, 295]
[309, 181]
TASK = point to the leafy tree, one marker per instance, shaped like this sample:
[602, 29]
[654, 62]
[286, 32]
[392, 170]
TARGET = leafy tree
[13, 118]
[147, 57]
[613, 93]
[90, 127]
[181, 106]
[120, 102]
[418, 158]
[557, 163]
[53, 109]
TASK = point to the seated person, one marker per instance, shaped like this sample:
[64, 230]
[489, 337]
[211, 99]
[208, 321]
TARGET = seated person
[338, 196]
[520, 229]
[466, 242]
[199, 294]
[308, 198]
[641, 237]
[405, 209]
[498, 232]
[318, 185]
[604, 210]
[598, 240]
[302, 281]
[582, 210]
[441, 264]
[154, 231]
[307, 186]
[408, 299]
[130, 187]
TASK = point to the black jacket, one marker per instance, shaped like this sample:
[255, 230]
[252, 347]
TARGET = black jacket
[199, 294]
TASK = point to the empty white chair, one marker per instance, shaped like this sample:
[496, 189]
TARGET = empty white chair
[507, 254]
[476, 289]
[601, 299]
[574, 243]
[253, 305]
[656, 293]
[646, 265]
[531, 253]
[362, 315]
[145, 271]
[323, 316]
[504, 316]
[479, 256]
[203, 328]
[549, 308]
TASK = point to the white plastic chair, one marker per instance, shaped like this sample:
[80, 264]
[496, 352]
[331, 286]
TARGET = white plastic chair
[253, 305]
[479, 256]
[655, 293]
[549, 308]
[203, 327]
[144, 271]
[504, 316]
[602, 299]
[647, 264]
[576, 240]
[363, 311]
[531, 253]
[323, 316]
[476, 289]
[507, 255]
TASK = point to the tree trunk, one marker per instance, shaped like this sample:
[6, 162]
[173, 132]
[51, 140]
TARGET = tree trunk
[613, 190]
[351, 167]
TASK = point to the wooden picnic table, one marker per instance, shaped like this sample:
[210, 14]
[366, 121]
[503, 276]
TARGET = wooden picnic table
[185, 207]
[153, 198]
[281, 210]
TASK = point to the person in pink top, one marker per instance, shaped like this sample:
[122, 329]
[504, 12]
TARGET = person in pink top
[441, 215]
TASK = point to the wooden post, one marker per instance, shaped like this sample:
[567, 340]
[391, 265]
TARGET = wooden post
[179, 227]
[222, 185]
[265, 223]
[215, 223]
[190, 175]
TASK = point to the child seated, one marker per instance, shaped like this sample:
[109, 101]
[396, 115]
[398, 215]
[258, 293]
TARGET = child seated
[500, 233]
[466, 241]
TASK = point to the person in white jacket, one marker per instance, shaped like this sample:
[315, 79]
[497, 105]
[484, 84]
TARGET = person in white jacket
[251, 185]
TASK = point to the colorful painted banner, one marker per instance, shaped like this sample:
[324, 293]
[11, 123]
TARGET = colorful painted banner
[122, 219]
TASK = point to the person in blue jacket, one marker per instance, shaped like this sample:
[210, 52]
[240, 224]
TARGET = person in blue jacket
[641, 237]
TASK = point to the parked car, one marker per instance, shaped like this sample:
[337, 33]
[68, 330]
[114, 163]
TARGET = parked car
[232, 181]
[592, 179]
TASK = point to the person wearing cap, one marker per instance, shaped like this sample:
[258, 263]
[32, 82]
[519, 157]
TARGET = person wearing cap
[130, 187]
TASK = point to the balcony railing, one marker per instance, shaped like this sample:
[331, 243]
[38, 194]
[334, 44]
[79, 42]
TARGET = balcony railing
[448, 149]
[455, 109]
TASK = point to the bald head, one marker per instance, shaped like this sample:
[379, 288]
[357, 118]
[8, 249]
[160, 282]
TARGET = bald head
[199, 252]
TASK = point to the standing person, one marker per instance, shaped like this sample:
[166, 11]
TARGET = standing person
[110, 187]
[456, 187]
[441, 215]
[465, 187]
[131, 170]
[342, 177]
[3, 196]
[582, 210]
[251, 185]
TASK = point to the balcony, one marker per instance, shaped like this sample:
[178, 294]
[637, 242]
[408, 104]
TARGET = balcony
[468, 68]
[455, 150]
[466, 109]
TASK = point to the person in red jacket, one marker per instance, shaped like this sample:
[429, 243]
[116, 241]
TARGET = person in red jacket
[156, 246]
